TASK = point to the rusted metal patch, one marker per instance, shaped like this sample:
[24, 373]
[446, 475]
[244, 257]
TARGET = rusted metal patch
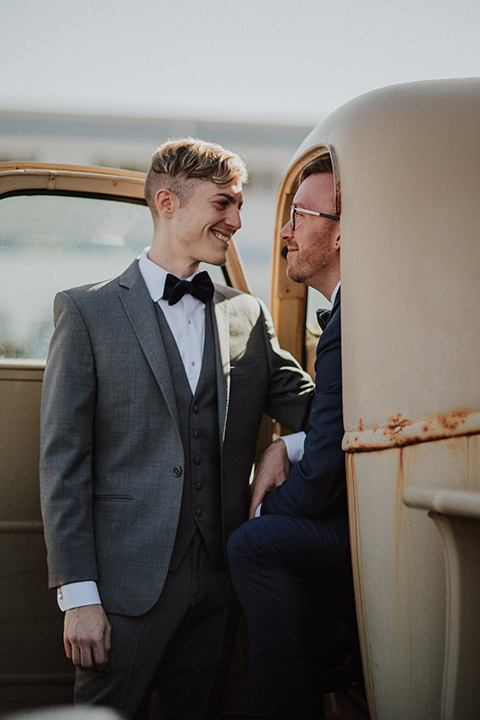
[360, 599]
[400, 431]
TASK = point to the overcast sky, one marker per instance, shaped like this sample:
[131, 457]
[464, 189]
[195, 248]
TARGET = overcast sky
[252, 59]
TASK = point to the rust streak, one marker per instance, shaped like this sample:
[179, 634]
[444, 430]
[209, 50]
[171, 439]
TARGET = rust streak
[399, 514]
[400, 431]
[356, 546]
[453, 420]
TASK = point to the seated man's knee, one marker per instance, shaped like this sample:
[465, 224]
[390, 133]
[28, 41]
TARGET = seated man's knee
[238, 543]
[244, 547]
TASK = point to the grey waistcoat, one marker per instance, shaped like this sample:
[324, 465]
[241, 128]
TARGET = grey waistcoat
[198, 420]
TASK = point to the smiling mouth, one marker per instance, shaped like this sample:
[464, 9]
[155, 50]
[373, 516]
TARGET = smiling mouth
[222, 237]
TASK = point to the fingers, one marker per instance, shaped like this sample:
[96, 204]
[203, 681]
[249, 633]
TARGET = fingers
[272, 470]
[87, 637]
[257, 498]
[100, 652]
[260, 487]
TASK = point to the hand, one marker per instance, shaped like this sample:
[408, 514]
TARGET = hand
[271, 471]
[87, 637]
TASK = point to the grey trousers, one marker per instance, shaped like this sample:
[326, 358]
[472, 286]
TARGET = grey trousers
[171, 663]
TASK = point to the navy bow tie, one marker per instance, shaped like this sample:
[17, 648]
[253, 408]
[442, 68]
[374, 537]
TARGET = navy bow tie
[323, 316]
[201, 287]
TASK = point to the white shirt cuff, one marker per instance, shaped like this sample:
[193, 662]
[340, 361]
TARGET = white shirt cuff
[294, 444]
[78, 594]
[258, 511]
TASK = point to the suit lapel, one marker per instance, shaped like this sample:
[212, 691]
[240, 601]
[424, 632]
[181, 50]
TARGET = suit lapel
[222, 356]
[138, 306]
[140, 311]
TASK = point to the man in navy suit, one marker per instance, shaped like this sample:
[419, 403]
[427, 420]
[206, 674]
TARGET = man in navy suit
[293, 557]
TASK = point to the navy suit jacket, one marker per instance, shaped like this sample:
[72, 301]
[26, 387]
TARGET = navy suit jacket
[316, 485]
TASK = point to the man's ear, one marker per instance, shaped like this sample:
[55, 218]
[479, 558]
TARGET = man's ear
[165, 202]
[337, 241]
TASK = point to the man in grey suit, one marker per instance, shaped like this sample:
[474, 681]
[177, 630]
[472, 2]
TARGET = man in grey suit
[154, 390]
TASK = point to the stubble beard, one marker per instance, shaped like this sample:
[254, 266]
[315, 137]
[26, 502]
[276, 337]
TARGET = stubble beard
[315, 262]
[295, 277]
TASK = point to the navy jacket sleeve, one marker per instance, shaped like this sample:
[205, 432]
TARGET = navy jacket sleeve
[316, 486]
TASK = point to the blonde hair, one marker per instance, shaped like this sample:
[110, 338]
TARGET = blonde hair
[177, 161]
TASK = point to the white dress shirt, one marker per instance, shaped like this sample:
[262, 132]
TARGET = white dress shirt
[186, 320]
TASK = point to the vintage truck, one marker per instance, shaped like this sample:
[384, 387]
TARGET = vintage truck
[407, 175]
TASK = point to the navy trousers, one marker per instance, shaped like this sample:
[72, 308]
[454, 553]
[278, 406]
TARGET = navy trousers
[284, 568]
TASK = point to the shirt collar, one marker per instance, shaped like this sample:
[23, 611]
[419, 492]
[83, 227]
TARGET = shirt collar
[335, 293]
[154, 276]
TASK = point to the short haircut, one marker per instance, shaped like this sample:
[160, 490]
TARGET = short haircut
[319, 166]
[177, 161]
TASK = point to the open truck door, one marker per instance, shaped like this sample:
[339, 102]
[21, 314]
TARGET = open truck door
[60, 226]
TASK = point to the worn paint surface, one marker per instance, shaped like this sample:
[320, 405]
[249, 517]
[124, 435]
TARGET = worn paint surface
[355, 531]
[399, 431]
[399, 571]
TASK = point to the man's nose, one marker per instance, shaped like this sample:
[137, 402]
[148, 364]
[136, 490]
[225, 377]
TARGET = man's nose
[286, 231]
[233, 219]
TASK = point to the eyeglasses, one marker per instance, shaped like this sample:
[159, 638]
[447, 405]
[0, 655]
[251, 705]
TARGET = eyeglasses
[294, 210]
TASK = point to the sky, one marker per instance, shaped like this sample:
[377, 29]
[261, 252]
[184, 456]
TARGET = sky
[255, 60]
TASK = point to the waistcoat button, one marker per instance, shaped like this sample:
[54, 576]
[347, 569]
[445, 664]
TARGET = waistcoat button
[198, 512]
[197, 460]
[195, 409]
[199, 486]
[196, 434]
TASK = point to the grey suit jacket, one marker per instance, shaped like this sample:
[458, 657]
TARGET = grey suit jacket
[111, 466]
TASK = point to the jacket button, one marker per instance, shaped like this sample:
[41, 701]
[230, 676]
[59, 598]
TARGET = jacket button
[199, 512]
[177, 470]
[197, 460]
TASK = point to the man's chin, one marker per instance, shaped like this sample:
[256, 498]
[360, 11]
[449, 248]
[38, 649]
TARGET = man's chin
[293, 277]
[219, 260]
